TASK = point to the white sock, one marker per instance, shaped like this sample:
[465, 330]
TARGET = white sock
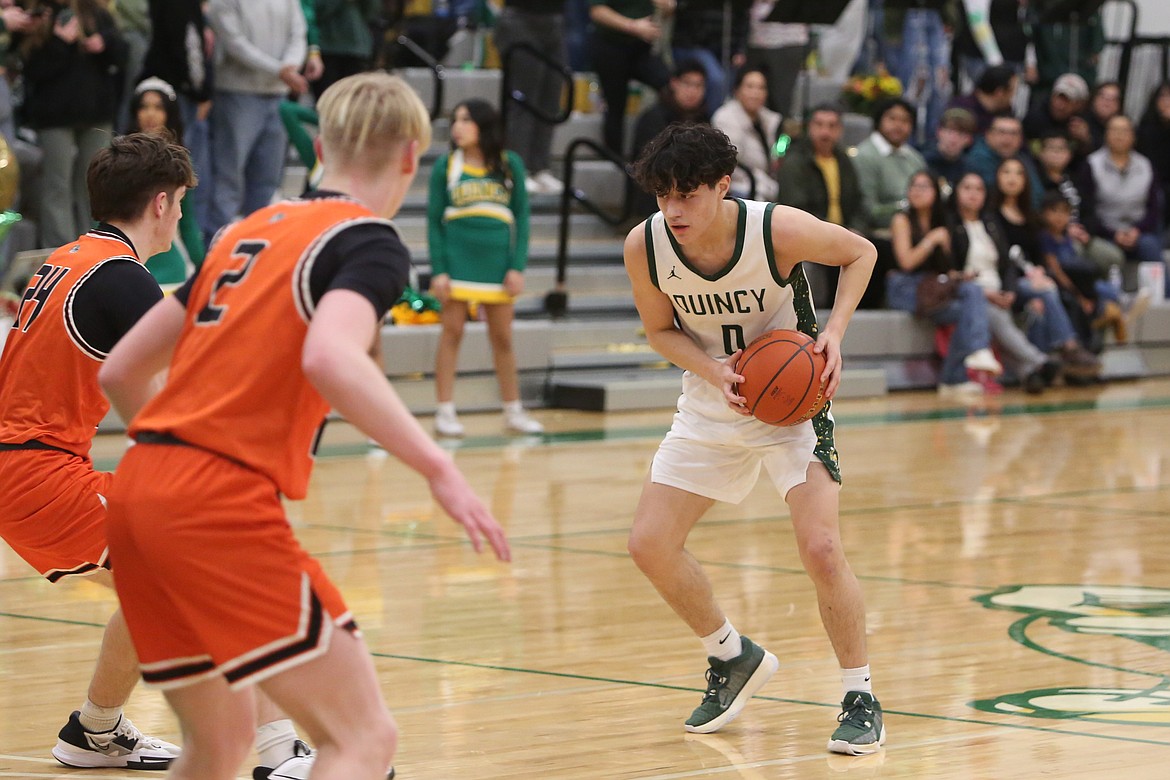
[95, 718]
[445, 409]
[723, 644]
[856, 680]
[274, 742]
[513, 407]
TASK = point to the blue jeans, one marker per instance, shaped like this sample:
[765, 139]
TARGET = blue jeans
[716, 77]
[197, 139]
[1052, 329]
[248, 144]
[924, 64]
[1149, 250]
[967, 311]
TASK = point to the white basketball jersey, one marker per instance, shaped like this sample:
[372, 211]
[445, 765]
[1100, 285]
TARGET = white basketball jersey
[725, 310]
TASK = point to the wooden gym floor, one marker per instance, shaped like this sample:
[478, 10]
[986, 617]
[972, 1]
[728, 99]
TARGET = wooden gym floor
[1015, 558]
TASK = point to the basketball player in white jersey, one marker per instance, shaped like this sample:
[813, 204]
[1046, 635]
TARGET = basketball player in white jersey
[709, 275]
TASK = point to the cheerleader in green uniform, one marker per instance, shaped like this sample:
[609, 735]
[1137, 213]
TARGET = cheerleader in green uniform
[477, 231]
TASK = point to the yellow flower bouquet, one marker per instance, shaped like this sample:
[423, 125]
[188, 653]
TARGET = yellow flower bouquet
[863, 91]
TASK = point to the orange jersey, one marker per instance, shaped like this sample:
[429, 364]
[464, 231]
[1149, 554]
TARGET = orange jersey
[235, 385]
[48, 374]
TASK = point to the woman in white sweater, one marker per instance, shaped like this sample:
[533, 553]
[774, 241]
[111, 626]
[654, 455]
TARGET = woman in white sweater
[753, 128]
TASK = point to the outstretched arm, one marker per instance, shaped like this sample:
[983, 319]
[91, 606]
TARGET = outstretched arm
[336, 359]
[800, 237]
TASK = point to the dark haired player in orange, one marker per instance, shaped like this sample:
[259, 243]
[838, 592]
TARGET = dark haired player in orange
[276, 327]
[85, 296]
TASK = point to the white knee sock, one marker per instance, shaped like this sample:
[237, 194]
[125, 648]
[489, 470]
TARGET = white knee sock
[723, 644]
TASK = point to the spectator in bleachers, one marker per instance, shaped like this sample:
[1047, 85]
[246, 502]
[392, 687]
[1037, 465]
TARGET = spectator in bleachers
[1092, 302]
[922, 247]
[154, 108]
[683, 100]
[179, 54]
[1047, 322]
[993, 95]
[997, 33]
[924, 62]
[1104, 104]
[260, 49]
[313, 67]
[698, 34]
[1054, 158]
[1062, 111]
[818, 175]
[73, 58]
[1127, 194]
[344, 39]
[885, 161]
[981, 250]
[778, 50]
[1004, 139]
[540, 24]
[1153, 140]
[839, 45]
[753, 128]
[1055, 43]
[133, 20]
[1010, 199]
[946, 157]
[622, 47]
[13, 21]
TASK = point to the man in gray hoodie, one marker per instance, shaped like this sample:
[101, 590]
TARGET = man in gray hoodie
[260, 47]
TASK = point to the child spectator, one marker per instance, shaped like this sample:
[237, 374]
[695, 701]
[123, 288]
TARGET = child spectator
[1093, 303]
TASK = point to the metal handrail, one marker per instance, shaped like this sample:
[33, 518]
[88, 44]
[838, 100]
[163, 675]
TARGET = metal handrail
[557, 300]
[438, 75]
[507, 93]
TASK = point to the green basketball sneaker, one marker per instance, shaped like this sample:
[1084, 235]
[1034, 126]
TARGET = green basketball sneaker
[861, 731]
[729, 686]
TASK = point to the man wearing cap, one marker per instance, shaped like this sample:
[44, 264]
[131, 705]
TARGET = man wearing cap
[1062, 112]
[946, 156]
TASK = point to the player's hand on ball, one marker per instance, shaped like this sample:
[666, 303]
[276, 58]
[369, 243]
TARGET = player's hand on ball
[727, 380]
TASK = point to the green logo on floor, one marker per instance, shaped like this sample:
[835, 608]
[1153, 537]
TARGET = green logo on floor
[1105, 620]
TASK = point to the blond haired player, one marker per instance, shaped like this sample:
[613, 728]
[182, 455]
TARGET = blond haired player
[275, 329]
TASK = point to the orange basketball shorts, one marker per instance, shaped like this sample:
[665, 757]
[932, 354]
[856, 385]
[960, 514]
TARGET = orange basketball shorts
[53, 511]
[211, 579]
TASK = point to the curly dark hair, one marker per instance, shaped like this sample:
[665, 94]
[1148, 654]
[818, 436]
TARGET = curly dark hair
[685, 157]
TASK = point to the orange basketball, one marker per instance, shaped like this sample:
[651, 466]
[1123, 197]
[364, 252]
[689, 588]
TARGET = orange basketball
[782, 377]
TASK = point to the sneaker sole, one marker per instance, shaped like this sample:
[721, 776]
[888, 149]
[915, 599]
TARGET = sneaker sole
[850, 749]
[763, 673]
[93, 760]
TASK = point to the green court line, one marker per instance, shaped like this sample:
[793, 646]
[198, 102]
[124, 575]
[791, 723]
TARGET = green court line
[782, 700]
[329, 451]
[62, 621]
[683, 688]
